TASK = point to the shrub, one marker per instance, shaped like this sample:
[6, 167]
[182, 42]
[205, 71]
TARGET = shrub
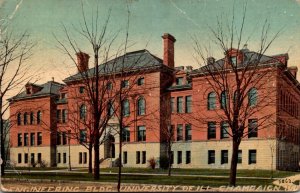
[164, 162]
[152, 163]
[43, 164]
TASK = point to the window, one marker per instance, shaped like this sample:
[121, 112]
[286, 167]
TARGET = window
[19, 139]
[179, 81]
[81, 89]
[252, 97]
[125, 84]
[188, 132]
[19, 119]
[239, 157]
[252, 128]
[252, 156]
[126, 134]
[26, 158]
[233, 61]
[39, 141]
[32, 139]
[224, 157]
[211, 156]
[179, 105]
[143, 157]
[188, 104]
[32, 158]
[211, 101]
[141, 106]
[58, 158]
[224, 99]
[64, 115]
[64, 138]
[80, 157]
[141, 133]
[39, 157]
[38, 117]
[140, 81]
[110, 108]
[179, 157]
[224, 130]
[25, 118]
[179, 133]
[19, 158]
[25, 139]
[31, 118]
[138, 157]
[58, 138]
[126, 108]
[188, 157]
[211, 133]
[64, 158]
[58, 116]
[125, 157]
[84, 157]
[63, 95]
[82, 112]
[172, 105]
[109, 86]
[82, 137]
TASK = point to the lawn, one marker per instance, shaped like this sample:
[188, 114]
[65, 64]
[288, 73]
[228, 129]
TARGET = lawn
[142, 179]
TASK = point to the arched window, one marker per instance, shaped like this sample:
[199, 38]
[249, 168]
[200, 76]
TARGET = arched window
[25, 118]
[126, 107]
[235, 97]
[211, 101]
[110, 108]
[82, 112]
[141, 106]
[19, 118]
[252, 97]
[224, 99]
[109, 86]
[31, 118]
[38, 117]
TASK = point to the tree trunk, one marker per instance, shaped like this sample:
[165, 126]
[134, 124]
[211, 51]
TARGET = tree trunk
[96, 156]
[234, 160]
[90, 158]
[120, 166]
[169, 159]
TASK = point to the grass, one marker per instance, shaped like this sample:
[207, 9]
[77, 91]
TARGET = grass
[144, 179]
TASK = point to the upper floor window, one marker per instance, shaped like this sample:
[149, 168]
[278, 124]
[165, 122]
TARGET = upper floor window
[233, 60]
[224, 130]
[82, 137]
[110, 108]
[64, 115]
[126, 107]
[82, 112]
[19, 139]
[211, 133]
[39, 139]
[63, 95]
[188, 132]
[224, 99]
[188, 104]
[19, 118]
[140, 81]
[179, 105]
[252, 128]
[125, 84]
[38, 117]
[25, 139]
[109, 86]
[58, 116]
[31, 118]
[141, 106]
[25, 118]
[179, 133]
[81, 89]
[172, 104]
[252, 97]
[126, 134]
[211, 101]
[179, 81]
[141, 133]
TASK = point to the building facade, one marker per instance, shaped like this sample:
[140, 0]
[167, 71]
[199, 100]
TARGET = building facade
[51, 120]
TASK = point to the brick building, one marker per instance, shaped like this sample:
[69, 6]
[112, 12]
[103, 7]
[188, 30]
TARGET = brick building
[176, 97]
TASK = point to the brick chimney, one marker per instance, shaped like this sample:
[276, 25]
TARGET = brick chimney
[293, 70]
[82, 61]
[169, 41]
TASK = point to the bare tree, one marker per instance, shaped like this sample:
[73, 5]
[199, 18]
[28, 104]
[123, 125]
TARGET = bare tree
[15, 49]
[239, 76]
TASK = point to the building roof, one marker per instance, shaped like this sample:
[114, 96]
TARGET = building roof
[47, 89]
[250, 58]
[131, 61]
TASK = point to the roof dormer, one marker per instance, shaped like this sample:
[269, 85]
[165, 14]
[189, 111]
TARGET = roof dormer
[32, 88]
[233, 57]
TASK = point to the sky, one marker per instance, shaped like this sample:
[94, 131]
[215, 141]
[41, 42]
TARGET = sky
[148, 21]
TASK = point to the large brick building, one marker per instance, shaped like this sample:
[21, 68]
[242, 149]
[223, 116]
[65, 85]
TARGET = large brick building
[43, 115]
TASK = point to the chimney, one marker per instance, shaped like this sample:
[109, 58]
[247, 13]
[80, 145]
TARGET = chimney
[211, 60]
[169, 41]
[293, 70]
[82, 61]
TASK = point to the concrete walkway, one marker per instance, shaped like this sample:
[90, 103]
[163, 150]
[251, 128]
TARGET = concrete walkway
[287, 183]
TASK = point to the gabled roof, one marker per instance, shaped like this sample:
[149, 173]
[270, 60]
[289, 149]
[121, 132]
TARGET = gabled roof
[47, 89]
[250, 58]
[131, 61]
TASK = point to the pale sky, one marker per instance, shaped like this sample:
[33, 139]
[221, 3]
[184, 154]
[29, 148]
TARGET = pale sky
[148, 21]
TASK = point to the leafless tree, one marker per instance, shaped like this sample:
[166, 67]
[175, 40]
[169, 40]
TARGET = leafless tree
[235, 77]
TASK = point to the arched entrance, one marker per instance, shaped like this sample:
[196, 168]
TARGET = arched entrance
[109, 146]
